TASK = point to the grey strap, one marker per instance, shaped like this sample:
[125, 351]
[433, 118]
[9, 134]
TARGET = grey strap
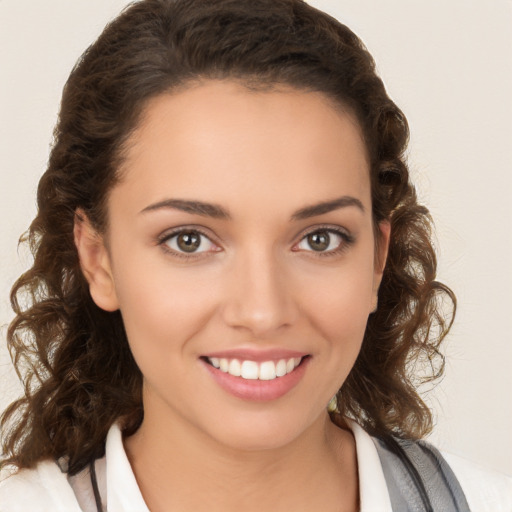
[94, 484]
[418, 477]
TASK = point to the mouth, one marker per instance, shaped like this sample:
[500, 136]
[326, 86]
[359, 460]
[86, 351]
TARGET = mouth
[254, 370]
[256, 381]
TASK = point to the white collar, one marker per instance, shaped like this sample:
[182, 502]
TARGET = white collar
[373, 491]
[123, 493]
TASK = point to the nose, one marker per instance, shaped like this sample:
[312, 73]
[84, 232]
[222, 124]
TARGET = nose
[259, 296]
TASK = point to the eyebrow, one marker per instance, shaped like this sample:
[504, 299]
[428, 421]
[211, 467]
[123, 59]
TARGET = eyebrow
[218, 212]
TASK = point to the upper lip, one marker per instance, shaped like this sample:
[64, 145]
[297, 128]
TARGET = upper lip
[257, 355]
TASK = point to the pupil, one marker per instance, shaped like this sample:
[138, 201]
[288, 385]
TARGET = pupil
[319, 241]
[189, 242]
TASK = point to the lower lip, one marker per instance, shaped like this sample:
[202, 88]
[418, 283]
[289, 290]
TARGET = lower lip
[258, 390]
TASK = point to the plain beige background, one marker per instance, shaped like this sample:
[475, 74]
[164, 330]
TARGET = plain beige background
[447, 64]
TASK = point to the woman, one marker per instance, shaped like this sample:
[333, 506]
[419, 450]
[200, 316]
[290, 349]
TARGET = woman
[232, 279]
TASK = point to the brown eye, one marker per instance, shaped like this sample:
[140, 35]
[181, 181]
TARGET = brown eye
[319, 241]
[325, 242]
[188, 241]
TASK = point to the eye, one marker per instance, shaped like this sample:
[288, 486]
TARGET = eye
[187, 242]
[325, 241]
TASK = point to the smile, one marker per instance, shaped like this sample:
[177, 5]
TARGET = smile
[257, 380]
[252, 370]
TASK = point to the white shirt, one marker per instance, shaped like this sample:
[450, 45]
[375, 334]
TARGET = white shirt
[46, 489]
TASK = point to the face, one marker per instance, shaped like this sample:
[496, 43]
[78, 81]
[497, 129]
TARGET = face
[241, 253]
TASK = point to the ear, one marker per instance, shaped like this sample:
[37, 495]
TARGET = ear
[95, 262]
[381, 253]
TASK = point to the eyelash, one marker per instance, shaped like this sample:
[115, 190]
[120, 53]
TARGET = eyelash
[347, 241]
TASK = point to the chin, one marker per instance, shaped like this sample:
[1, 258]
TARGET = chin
[253, 432]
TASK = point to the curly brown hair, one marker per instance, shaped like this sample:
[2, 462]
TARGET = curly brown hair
[72, 356]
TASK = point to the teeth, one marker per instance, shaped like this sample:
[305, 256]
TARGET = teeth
[281, 368]
[235, 368]
[251, 370]
[267, 370]
[224, 365]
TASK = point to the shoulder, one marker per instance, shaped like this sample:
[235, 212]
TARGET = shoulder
[40, 489]
[485, 490]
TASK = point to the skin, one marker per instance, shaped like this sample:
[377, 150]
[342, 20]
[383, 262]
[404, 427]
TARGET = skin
[256, 283]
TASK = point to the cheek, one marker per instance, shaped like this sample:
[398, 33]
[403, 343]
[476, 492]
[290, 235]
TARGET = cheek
[339, 307]
[339, 302]
[162, 313]
[161, 308]
[341, 323]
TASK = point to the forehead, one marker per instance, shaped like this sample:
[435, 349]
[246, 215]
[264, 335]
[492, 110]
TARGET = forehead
[219, 140]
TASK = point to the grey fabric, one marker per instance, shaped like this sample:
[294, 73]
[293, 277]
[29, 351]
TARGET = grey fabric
[418, 477]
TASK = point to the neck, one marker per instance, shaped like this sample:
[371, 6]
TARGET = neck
[178, 468]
